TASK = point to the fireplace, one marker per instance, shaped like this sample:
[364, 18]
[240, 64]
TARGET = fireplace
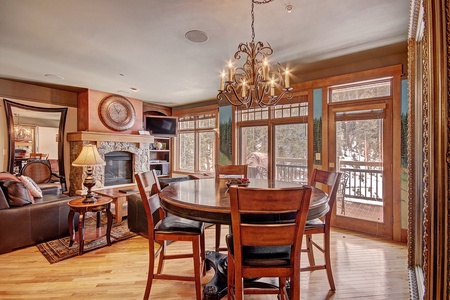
[118, 168]
[135, 147]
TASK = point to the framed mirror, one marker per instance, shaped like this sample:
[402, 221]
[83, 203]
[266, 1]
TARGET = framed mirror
[34, 130]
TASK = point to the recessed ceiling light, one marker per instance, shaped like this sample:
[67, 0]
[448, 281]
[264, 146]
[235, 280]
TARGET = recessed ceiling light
[53, 76]
[134, 89]
[121, 74]
[196, 36]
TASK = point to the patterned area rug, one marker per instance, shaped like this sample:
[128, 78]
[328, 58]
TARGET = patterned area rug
[58, 250]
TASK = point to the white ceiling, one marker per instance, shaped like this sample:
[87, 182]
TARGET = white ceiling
[91, 42]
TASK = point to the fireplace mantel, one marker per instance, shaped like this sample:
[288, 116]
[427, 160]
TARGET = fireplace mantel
[108, 137]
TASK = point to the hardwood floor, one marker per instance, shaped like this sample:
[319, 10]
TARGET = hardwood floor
[364, 267]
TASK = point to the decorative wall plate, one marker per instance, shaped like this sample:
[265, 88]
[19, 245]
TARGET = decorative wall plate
[117, 112]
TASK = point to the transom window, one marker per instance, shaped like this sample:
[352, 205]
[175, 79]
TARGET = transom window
[361, 90]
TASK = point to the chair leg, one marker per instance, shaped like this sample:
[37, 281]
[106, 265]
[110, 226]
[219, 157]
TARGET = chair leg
[238, 286]
[203, 253]
[295, 287]
[196, 247]
[218, 232]
[328, 259]
[151, 267]
[162, 256]
[310, 250]
[230, 276]
[282, 288]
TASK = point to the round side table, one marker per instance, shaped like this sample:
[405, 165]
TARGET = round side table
[78, 206]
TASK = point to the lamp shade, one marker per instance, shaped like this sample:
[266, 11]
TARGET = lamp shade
[89, 156]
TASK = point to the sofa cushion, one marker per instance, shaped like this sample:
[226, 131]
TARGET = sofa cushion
[16, 193]
[3, 202]
[32, 187]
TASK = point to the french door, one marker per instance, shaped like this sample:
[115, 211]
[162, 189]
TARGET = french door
[360, 145]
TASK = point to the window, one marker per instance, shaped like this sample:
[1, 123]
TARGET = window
[286, 126]
[196, 143]
[361, 90]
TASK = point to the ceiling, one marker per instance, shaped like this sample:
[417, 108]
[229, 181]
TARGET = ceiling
[116, 45]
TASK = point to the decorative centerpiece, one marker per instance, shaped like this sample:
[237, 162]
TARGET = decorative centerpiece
[238, 182]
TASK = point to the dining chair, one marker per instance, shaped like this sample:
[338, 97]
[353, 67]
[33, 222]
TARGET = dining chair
[330, 180]
[36, 156]
[169, 228]
[263, 246]
[224, 171]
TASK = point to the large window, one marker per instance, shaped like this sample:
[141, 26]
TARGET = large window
[273, 141]
[196, 143]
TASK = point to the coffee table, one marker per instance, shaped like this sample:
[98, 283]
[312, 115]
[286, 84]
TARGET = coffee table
[119, 198]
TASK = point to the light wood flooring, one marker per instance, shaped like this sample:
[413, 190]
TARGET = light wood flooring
[364, 267]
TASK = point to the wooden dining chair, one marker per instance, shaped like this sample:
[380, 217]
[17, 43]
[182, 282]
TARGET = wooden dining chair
[169, 228]
[330, 180]
[263, 246]
[224, 171]
[36, 156]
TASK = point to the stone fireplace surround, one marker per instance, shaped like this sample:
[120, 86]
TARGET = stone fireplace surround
[138, 145]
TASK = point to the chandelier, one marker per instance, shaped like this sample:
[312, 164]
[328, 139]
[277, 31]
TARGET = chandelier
[21, 133]
[255, 82]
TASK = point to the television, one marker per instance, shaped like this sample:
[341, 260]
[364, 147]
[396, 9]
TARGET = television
[161, 125]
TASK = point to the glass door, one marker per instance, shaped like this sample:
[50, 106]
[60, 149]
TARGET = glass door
[360, 142]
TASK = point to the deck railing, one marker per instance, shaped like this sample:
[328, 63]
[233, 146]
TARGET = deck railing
[364, 178]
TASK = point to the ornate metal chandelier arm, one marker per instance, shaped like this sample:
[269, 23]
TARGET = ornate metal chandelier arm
[230, 94]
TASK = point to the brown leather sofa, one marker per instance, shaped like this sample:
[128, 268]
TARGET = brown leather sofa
[23, 223]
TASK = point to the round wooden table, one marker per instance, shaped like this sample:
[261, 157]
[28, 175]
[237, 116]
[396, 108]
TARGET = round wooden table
[80, 207]
[207, 200]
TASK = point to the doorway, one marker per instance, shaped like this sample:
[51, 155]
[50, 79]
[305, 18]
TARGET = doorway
[361, 148]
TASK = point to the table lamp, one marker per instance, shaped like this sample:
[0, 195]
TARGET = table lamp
[89, 157]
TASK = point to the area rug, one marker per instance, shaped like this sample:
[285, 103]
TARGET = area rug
[59, 250]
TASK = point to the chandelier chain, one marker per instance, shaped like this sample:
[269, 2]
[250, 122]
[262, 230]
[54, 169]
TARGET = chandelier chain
[253, 14]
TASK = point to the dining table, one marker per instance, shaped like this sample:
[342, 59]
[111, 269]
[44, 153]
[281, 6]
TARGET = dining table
[208, 200]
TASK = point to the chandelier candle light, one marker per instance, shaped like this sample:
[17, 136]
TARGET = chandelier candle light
[255, 83]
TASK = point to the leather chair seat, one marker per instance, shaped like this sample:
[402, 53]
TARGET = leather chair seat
[178, 225]
[269, 256]
[315, 223]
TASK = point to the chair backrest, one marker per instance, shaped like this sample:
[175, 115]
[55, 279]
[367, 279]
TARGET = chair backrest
[36, 155]
[330, 179]
[145, 182]
[37, 170]
[231, 170]
[261, 202]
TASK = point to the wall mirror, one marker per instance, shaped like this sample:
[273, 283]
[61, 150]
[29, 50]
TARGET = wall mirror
[35, 132]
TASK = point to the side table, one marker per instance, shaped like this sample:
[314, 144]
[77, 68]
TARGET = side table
[78, 206]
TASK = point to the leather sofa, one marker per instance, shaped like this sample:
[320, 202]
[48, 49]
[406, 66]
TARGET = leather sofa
[23, 223]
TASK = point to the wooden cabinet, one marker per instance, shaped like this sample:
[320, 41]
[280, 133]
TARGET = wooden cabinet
[160, 156]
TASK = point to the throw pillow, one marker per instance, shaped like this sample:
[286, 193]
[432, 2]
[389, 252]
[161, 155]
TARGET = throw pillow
[16, 193]
[35, 191]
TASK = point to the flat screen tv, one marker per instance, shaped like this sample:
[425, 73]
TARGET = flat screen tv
[161, 125]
